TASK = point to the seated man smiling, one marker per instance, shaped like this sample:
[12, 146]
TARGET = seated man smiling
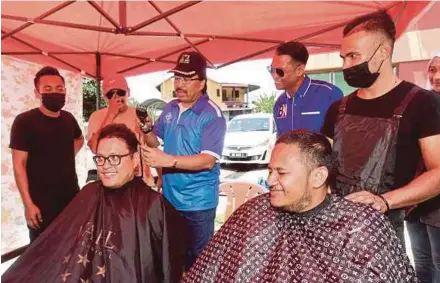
[299, 233]
[115, 230]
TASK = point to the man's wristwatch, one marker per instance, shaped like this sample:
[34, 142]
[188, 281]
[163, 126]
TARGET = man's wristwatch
[174, 164]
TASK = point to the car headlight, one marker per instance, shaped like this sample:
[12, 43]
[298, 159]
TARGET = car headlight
[265, 143]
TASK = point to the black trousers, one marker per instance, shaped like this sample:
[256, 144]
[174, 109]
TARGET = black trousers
[50, 207]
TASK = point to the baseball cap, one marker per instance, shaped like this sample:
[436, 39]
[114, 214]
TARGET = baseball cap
[115, 82]
[190, 64]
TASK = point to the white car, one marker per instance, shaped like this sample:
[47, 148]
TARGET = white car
[249, 138]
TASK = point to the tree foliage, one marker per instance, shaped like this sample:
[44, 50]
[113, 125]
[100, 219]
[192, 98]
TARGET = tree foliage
[89, 98]
[264, 103]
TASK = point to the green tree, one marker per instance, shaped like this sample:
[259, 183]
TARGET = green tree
[89, 98]
[264, 103]
[132, 102]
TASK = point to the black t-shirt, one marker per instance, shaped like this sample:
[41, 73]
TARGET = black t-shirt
[421, 119]
[51, 159]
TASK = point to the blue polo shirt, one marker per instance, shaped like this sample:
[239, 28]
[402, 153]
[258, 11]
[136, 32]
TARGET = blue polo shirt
[200, 129]
[307, 108]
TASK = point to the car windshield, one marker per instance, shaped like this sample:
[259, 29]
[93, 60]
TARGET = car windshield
[248, 125]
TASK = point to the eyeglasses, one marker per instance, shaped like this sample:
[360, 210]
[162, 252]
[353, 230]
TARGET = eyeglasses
[280, 72]
[113, 160]
[186, 80]
[119, 92]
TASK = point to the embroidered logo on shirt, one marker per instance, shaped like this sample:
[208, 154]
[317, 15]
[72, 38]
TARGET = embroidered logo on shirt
[169, 116]
[282, 111]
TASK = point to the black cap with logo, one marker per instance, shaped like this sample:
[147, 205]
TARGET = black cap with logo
[190, 64]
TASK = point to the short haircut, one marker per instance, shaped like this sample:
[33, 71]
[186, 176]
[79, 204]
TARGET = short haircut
[205, 87]
[380, 22]
[122, 132]
[316, 151]
[46, 71]
[296, 50]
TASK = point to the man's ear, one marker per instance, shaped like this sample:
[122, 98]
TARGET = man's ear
[37, 94]
[385, 51]
[318, 177]
[136, 160]
[203, 83]
[300, 70]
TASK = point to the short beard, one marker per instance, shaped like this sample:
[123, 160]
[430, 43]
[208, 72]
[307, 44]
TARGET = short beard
[302, 204]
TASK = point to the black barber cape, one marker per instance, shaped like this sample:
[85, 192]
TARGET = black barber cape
[338, 241]
[128, 235]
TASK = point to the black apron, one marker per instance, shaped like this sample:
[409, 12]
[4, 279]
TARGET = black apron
[366, 148]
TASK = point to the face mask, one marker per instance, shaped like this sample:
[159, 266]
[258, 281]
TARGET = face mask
[359, 76]
[53, 101]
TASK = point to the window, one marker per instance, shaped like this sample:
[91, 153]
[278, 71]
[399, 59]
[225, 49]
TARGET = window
[340, 82]
[218, 92]
[237, 94]
[336, 78]
[322, 77]
[249, 125]
[224, 97]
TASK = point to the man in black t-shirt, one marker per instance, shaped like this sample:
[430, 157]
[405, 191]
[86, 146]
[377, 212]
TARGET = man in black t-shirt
[44, 142]
[386, 130]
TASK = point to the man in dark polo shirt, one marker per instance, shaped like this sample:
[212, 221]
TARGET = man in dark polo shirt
[44, 142]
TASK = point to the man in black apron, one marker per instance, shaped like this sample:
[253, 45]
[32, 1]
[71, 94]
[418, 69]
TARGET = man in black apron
[386, 130]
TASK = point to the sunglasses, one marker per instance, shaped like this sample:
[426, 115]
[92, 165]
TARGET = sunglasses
[280, 72]
[119, 92]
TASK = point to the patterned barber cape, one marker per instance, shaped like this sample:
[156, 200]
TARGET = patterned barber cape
[338, 241]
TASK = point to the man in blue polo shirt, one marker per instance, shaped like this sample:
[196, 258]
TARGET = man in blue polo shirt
[304, 103]
[193, 130]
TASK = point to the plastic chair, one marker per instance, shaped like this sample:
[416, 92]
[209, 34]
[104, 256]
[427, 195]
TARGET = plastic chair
[238, 193]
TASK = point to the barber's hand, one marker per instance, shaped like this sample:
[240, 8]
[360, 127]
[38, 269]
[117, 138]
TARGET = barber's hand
[147, 126]
[156, 158]
[33, 216]
[115, 105]
[369, 199]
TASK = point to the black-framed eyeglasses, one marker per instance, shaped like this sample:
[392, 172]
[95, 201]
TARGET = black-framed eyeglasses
[280, 72]
[119, 92]
[186, 80]
[113, 160]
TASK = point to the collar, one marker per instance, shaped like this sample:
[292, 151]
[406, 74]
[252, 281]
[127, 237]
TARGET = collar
[198, 106]
[303, 88]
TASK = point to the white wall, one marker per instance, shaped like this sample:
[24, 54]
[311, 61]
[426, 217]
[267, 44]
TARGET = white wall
[17, 95]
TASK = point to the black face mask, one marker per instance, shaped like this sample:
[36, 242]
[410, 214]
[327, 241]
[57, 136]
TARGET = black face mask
[53, 101]
[359, 76]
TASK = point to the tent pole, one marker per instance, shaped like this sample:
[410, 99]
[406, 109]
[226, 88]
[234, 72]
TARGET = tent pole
[98, 79]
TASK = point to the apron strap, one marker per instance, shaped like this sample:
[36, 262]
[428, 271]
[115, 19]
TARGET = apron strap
[398, 112]
[343, 106]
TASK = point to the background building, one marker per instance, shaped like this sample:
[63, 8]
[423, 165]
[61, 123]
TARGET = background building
[232, 98]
